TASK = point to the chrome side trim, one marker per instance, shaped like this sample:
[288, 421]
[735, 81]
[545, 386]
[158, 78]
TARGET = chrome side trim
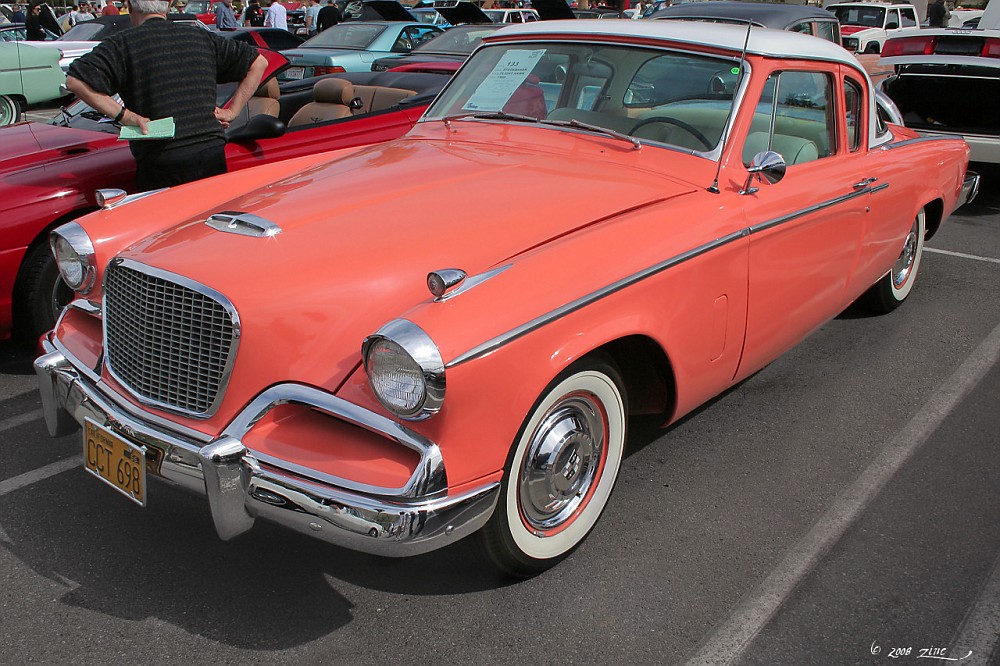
[583, 301]
[204, 290]
[921, 139]
[243, 224]
[429, 478]
[560, 312]
[816, 208]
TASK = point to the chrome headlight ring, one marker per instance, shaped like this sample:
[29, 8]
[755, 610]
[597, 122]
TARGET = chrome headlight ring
[405, 370]
[75, 256]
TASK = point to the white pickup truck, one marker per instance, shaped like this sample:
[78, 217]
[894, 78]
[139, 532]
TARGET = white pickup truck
[864, 26]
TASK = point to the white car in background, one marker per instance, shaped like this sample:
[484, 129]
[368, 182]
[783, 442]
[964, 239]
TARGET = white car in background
[946, 82]
[864, 26]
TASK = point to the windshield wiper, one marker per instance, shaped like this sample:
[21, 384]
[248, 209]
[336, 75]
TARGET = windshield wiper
[595, 128]
[490, 115]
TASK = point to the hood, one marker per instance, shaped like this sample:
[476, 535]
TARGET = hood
[463, 12]
[851, 29]
[385, 10]
[359, 234]
[550, 10]
[28, 145]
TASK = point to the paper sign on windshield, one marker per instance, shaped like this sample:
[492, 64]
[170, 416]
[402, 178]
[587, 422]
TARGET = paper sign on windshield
[499, 85]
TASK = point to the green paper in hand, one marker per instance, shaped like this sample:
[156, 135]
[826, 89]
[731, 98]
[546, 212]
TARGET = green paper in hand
[158, 129]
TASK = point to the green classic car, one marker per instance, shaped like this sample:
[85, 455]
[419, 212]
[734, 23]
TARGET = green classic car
[27, 75]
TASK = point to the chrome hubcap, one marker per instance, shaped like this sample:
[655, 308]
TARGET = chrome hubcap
[562, 462]
[901, 269]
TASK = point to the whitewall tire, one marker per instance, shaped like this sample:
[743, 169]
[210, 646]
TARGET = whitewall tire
[561, 471]
[889, 292]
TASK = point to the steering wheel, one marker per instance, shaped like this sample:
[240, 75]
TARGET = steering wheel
[666, 120]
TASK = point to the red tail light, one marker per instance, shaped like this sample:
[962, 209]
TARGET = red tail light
[322, 69]
[903, 46]
[991, 49]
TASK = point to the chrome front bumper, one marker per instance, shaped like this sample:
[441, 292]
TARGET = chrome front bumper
[970, 188]
[242, 487]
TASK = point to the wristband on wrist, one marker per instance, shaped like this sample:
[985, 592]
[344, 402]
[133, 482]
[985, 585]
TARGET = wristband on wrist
[121, 114]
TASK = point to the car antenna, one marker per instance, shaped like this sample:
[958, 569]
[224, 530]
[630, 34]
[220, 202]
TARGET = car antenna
[714, 187]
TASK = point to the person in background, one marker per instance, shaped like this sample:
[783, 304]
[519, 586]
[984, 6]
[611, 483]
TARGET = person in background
[18, 15]
[253, 15]
[110, 9]
[328, 16]
[276, 17]
[225, 19]
[140, 65]
[312, 17]
[33, 23]
[937, 14]
[85, 13]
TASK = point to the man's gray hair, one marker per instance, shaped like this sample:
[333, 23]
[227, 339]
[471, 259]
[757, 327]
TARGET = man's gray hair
[150, 6]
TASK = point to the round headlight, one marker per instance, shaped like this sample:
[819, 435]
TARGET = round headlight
[405, 370]
[74, 254]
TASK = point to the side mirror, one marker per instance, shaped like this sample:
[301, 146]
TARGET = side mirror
[259, 127]
[767, 166]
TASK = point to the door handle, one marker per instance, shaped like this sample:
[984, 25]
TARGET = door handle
[864, 183]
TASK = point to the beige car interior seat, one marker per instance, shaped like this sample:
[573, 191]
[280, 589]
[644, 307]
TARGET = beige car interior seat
[265, 100]
[795, 150]
[331, 100]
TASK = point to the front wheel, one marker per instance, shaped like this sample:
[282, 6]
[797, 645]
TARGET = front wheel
[889, 292]
[40, 294]
[561, 471]
[10, 110]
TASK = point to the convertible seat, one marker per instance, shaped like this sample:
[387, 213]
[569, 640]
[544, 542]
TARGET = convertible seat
[369, 99]
[794, 149]
[331, 100]
[265, 100]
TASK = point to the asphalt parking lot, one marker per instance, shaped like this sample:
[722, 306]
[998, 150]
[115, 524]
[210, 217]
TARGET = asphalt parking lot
[838, 507]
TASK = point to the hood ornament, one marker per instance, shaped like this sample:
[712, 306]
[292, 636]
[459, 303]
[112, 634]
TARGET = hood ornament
[243, 224]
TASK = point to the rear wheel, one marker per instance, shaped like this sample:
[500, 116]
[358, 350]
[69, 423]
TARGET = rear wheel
[40, 294]
[10, 110]
[889, 293]
[561, 471]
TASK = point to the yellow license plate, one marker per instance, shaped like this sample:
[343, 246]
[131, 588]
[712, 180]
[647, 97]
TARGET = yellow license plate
[117, 462]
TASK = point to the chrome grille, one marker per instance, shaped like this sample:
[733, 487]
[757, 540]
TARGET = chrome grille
[169, 340]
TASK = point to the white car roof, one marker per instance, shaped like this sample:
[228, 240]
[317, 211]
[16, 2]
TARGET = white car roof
[763, 41]
[867, 4]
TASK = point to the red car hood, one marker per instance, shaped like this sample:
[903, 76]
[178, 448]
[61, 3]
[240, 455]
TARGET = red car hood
[360, 233]
[28, 145]
[851, 29]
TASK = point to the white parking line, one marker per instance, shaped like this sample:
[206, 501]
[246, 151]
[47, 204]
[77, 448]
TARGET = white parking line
[36, 475]
[962, 255]
[734, 635]
[20, 420]
[980, 631]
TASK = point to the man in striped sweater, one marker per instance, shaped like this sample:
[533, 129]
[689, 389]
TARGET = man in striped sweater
[161, 69]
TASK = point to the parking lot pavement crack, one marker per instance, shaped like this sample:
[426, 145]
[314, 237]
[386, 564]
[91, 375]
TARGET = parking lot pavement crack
[735, 634]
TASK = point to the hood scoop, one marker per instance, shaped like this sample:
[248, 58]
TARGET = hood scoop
[243, 224]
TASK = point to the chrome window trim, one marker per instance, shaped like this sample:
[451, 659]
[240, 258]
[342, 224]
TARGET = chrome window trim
[428, 478]
[204, 291]
[504, 338]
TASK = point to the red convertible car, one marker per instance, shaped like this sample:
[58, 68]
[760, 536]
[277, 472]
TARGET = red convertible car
[49, 174]
[391, 374]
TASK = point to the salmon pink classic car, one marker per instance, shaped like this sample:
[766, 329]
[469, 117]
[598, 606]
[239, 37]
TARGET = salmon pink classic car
[50, 173]
[391, 362]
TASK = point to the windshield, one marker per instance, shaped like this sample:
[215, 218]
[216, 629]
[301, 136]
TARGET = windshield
[680, 99]
[869, 17]
[345, 36]
[456, 40]
[82, 32]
